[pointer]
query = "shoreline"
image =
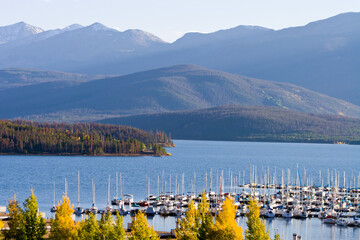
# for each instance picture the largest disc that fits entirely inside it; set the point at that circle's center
(84, 155)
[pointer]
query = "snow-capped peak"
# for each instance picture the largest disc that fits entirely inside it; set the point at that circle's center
(100, 27)
(72, 27)
(18, 30)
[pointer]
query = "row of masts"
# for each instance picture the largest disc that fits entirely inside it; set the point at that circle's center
(264, 177)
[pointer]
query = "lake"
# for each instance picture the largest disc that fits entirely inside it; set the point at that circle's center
(18, 174)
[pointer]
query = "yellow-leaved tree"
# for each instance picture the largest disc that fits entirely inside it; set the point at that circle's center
(63, 226)
(1, 227)
(15, 223)
(225, 227)
(205, 218)
(188, 226)
(141, 230)
(256, 227)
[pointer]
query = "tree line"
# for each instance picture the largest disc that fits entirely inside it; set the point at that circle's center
(198, 223)
(22, 137)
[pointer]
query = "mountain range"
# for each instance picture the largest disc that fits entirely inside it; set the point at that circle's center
(180, 87)
(248, 123)
(322, 56)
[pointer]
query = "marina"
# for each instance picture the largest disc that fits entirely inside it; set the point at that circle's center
(281, 176)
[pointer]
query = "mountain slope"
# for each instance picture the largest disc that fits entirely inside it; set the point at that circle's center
(17, 31)
(248, 123)
(182, 87)
(10, 78)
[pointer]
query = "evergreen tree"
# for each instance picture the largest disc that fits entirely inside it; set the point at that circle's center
(89, 228)
(63, 226)
(16, 219)
(188, 226)
(256, 227)
(225, 227)
(206, 219)
(33, 223)
(141, 230)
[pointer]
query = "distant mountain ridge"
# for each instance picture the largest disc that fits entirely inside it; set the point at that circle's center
(248, 123)
(181, 87)
(322, 56)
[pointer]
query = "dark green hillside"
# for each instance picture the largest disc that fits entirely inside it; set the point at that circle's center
(10, 78)
(249, 123)
(20, 137)
(182, 87)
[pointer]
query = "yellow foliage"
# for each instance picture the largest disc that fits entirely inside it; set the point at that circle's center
(225, 227)
(1, 226)
(141, 230)
(188, 226)
(256, 227)
(63, 226)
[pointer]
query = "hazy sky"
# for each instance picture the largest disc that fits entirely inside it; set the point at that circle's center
(170, 19)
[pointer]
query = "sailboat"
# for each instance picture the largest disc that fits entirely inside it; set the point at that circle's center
(53, 209)
(108, 207)
(78, 210)
(93, 208)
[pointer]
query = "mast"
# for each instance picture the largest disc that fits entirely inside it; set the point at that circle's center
(66, 187)
(117, 185)
(211, 182)
(93, 192)
(54, 193)
(108, 202)
(170, 185)
(205, 181)
(195, 184)
(78, 188)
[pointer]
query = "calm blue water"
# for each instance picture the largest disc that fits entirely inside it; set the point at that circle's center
(18, 174)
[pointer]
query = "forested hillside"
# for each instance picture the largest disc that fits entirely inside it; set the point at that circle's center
(249, 123)
(20, 137)
(175, 88)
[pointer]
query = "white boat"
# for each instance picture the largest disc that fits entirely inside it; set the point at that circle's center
(128, 199)
(355, 222)
(342, 222)
(330, 220)
(269, 213)
(287, 214)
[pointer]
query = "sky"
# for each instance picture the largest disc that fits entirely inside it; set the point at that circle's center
(170, 19)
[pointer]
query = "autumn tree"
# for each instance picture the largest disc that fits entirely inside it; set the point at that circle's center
(205, 218)
(188, 226)
(89, 228)
(15, 230)
(63, 226)
(33, 223)
(1, 227)
(256, 227)
(225, 227)
(141, 230)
